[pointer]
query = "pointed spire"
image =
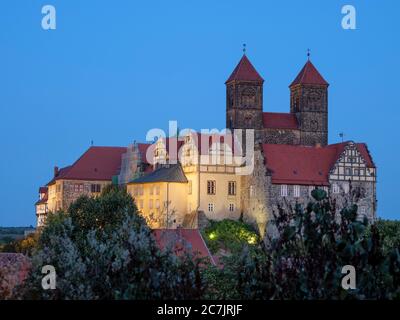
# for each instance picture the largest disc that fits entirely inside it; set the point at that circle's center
(245, 71)
(309, 75)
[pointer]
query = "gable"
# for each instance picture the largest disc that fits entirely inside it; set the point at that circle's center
(354, 163)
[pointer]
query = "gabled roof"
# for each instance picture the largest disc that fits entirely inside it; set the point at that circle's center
(183, 241)
(305, 165)
(309, 75)
(97, 163)
(245, 71)
(43, 190)
(276, 120)
(168, 173)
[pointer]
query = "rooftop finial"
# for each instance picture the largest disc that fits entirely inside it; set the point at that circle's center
(244, 48)
(308, 54)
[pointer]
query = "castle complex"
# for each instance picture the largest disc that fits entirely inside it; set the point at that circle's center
(187, 179)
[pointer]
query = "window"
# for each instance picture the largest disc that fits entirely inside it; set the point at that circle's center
(361, 172)
(151, 190)
(296, 191)
(211, 207)
(347, 171)
(310, 189)
(95, 188)
(157, 204)
(78, 187)
(231, 207)
(363, 210)
(284, 190)
(335, 188)
(232, 188)
(150, 204)
(346, 187)
(251, 191)
(211, 187)
(58, 188)
(356, 172)
(190, 187)
(157, 190)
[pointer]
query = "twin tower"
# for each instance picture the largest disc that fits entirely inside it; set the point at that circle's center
(307, 122)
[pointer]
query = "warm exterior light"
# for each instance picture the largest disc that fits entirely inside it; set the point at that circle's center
(212, 235)
(252, 240)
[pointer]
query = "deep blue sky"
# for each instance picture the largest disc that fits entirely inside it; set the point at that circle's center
(114, 69)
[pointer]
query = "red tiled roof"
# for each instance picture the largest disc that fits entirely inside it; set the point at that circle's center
(304, 165)
(309, 75)
(97, 163)
(183, 240)
(43, 190)
(363, 149)
(276, 120)
(245, 71)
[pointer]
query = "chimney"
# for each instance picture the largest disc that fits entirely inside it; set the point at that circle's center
(55, 171)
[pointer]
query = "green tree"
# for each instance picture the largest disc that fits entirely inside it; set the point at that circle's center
(103, 249)
(306, 251)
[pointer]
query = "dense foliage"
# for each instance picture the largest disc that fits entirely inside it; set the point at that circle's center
(102, 249)
(229, 235)
(305, 257)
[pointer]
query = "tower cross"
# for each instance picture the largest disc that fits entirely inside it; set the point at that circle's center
(308, 54)
(244, 48)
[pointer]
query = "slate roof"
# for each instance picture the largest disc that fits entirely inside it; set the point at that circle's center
(169, 173)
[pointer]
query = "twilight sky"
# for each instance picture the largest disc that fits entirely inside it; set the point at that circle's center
(112, 70)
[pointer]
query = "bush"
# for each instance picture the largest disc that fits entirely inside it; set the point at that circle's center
(304, 258)
(102, 249)
(229, 235)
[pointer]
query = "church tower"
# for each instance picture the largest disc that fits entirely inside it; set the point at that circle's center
(309, 102)
(244, 95)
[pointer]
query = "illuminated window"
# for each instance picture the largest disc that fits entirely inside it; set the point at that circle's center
(251, 191)
(296, 191)
(211, 207)
(231, 188)
(284, 190)
(78, 187)
(211, 187)
(157, 190)
(157, 204)
(150, 204)
(151, 190)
